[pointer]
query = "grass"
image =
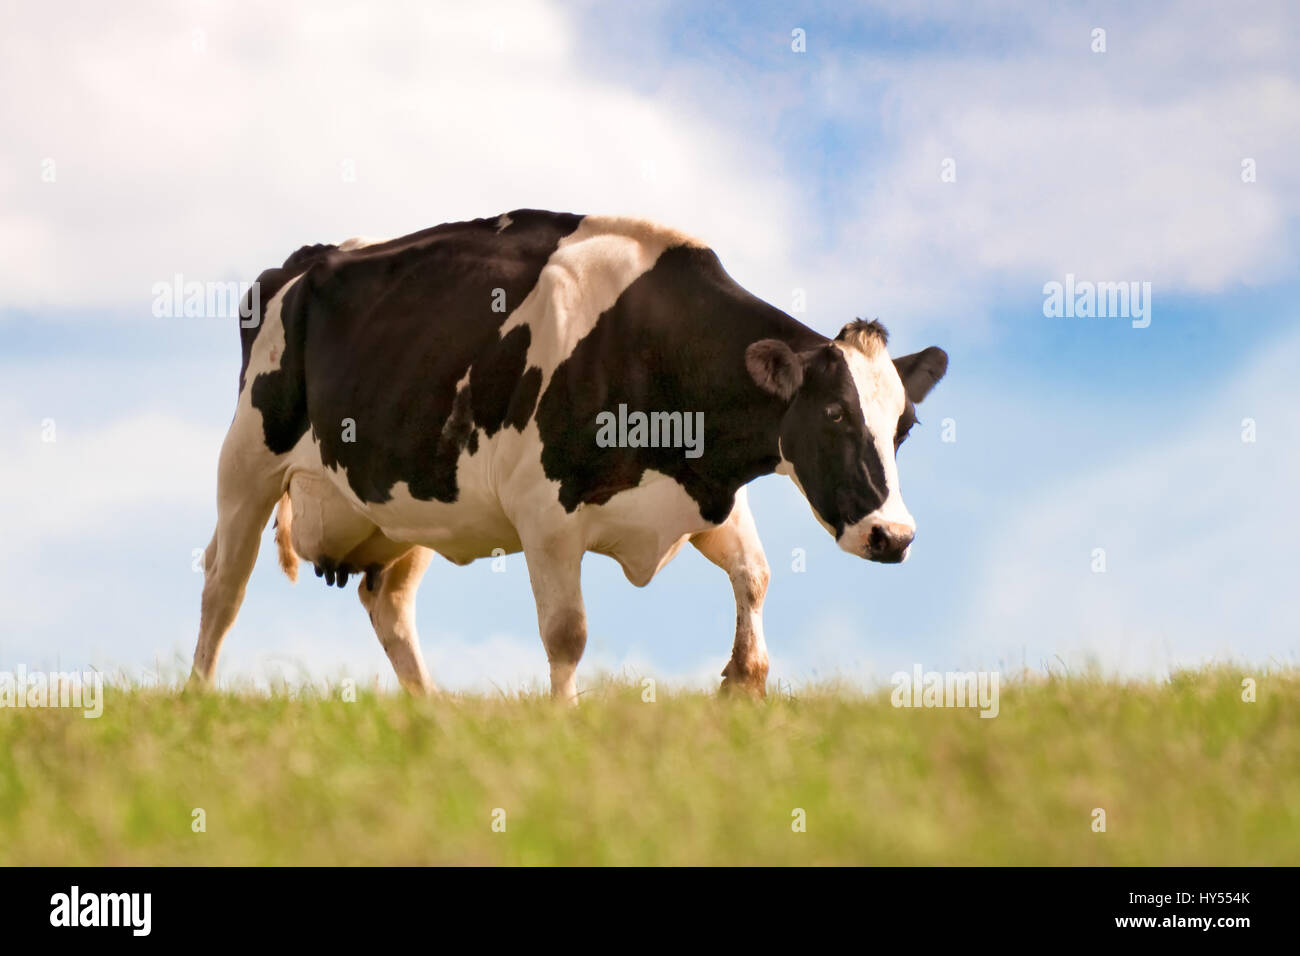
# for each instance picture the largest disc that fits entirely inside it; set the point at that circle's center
(1186, 772)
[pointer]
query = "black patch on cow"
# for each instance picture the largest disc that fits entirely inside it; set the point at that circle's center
(674, 341)
(524, 399)
(495, 378)
(457, 433)
(268, 284)
(384, 334)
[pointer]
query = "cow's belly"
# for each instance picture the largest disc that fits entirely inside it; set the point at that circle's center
(461, 531)
(473, 526)
(641, 528)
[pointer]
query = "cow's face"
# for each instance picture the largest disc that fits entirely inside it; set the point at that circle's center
(850, 407)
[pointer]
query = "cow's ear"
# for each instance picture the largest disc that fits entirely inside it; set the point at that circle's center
(920, 371)
(774, 368)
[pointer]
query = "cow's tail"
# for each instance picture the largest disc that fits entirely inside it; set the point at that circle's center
(283, 542)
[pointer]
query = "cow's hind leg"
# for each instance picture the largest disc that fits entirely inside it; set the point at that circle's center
(555, 571)
(734, 547)
(248, 486)
(388, 596)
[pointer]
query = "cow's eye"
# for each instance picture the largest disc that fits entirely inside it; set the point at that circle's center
(835, 413)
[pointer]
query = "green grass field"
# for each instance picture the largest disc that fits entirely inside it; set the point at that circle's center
(1186, 772)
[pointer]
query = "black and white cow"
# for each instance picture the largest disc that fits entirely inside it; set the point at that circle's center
(444, 392)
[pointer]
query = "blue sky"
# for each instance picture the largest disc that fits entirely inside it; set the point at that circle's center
(187, 139)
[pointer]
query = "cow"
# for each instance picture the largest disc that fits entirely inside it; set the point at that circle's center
(454, 391)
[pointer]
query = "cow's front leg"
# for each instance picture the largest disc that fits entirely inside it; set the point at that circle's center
(734, 547)
(555, 570)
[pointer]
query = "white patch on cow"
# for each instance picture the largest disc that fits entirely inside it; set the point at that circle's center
(881, 395)
(359, 242)
(268, 347)
(590, 268)
(504, 222)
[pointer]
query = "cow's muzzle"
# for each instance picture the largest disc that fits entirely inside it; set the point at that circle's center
(888, 542)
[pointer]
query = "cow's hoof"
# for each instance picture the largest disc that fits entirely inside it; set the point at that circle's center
(195, 686)
(745, 680)
(742, 688)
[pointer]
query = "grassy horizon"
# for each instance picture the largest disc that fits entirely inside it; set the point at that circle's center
(1186, 771)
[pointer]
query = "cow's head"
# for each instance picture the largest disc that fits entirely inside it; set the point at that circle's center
(848, 409)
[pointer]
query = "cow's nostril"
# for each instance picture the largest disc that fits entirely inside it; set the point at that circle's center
(888, 542)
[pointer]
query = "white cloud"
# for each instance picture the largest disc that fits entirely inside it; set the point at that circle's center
(82, 481)
(219, 162)
(1117, 166)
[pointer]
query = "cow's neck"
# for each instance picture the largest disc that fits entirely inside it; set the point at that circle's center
(742, 422)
